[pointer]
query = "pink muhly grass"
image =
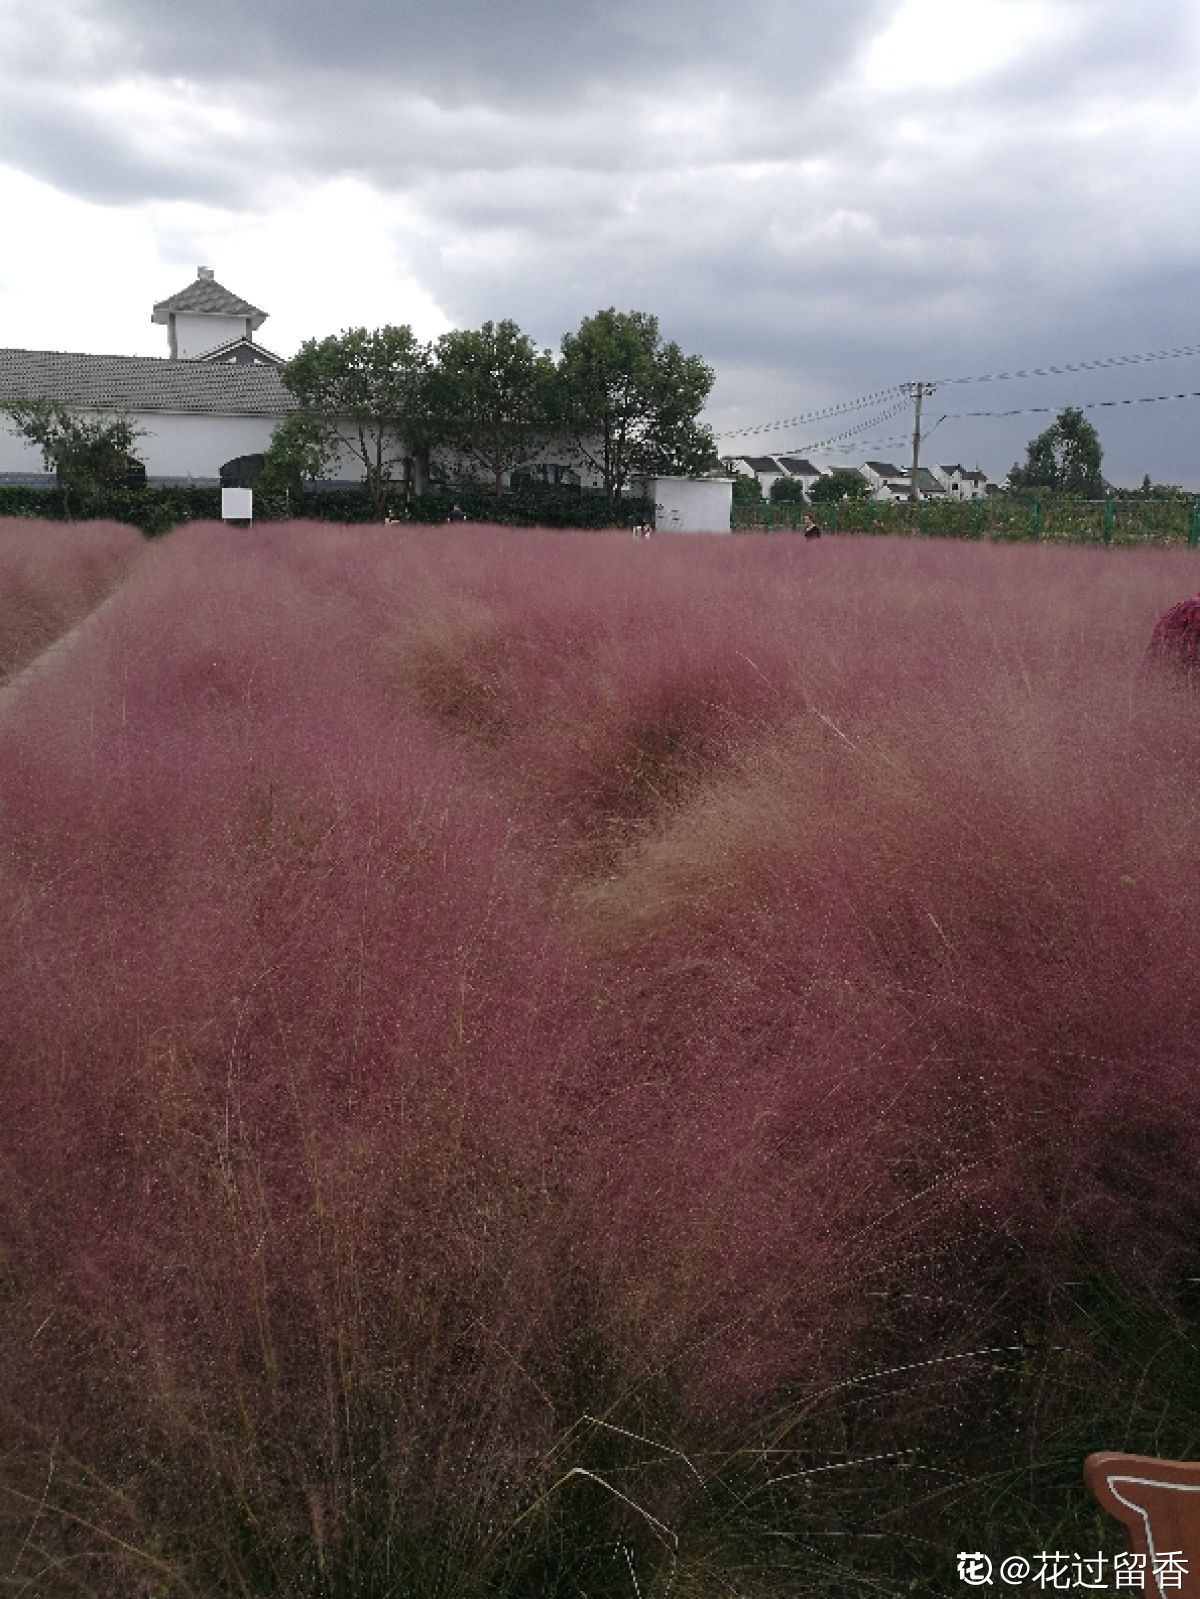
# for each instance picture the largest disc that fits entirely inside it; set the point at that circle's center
(955, 918)
(51, 575)
(453, 980)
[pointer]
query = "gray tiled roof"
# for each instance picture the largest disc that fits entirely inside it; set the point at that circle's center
(143, 383)
(206, 295)
(797, 466)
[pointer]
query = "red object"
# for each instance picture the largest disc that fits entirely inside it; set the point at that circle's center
(1159, 1503)
(1175, 642)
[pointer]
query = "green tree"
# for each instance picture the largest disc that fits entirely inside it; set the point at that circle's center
(85, 453)
(787, 491)
(490, 396)
(746, 489)
(629, 403)
(1162, 491)
(302, 448)
(364, 392)
(844, 483)
(1065, 459)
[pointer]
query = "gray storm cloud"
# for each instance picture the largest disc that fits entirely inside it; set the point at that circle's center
(814, 214)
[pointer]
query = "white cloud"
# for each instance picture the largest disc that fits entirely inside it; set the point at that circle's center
(933, 44)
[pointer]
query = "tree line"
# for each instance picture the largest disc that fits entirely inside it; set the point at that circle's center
(619, 401)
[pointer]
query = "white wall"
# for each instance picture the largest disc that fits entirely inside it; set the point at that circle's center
(688, 504)
(171, 446)
(198, 446)
(196, 334)
(15, 454)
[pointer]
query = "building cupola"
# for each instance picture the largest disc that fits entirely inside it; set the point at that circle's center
(205, 316)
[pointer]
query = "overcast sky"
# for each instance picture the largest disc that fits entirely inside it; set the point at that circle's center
(823, 198)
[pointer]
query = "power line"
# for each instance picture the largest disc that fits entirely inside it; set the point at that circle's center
(1100, 363)
(818, 416)
(1080, 366)
(1089, 405)
(861, 427)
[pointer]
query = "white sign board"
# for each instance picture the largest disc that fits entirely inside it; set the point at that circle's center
(237, 505)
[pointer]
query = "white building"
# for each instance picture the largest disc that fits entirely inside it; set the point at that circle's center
(961, 484)
(217, 395)
(801, 468)
(763, 467)
(687, 504)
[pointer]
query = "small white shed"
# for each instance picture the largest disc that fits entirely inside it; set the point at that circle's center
(688, 504)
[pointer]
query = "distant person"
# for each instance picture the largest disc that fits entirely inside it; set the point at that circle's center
(1175, 643)
(811, 530)
(457, 514)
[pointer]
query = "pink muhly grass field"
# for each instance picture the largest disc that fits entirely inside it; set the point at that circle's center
(51, 575)
(453, 981)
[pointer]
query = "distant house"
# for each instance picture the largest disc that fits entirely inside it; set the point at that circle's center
(886, 482)
(768, 469)
(797, 467)
(763, 467)
(963, 485)
(890, 482)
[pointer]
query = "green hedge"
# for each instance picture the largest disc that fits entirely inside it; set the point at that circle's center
(158, 509)
(154, 510)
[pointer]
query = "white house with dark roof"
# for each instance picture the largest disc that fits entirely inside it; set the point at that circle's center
(763, 467)
(887, 482)
(961, 484)
(798, 467)
(215, 396)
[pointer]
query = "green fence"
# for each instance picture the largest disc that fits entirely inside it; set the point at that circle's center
(1053, 520)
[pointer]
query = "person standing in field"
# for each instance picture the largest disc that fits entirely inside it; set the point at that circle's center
(1175, 643)
(811, 530)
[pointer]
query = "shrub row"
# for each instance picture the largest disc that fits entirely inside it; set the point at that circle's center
(157, 509)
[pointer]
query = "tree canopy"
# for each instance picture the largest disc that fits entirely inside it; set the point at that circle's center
(364, 391)
(490, 395)
(630, 403)
(85, 453)
(844, 483)
(620, 400)
(1065, 459)
(787, 491)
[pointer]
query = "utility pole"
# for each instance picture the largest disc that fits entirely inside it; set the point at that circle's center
(913, 492)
